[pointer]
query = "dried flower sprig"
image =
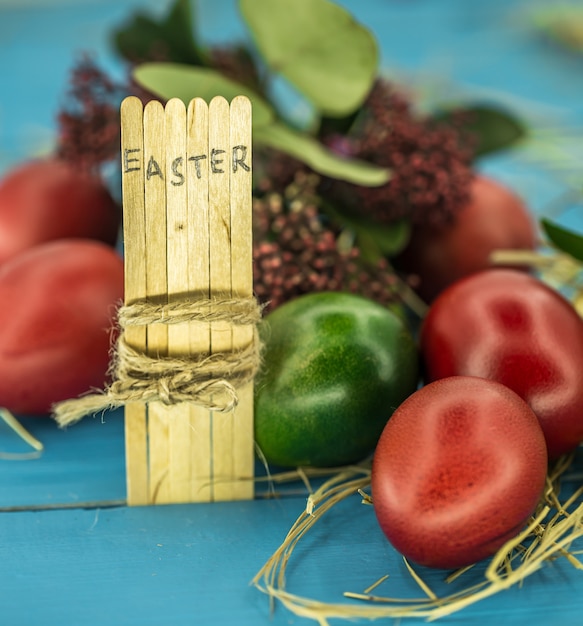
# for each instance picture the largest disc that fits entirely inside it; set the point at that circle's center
(89, 128)
(89, 122)
(431, 163)
(299, 252)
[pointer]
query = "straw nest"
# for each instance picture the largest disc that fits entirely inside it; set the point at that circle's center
(550, 533)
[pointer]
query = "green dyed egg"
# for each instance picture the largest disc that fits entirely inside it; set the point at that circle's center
(335, 367)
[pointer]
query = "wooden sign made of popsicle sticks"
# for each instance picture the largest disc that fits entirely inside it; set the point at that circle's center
(186, 181)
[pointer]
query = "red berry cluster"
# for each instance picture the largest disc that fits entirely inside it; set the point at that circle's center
(296, 253)
(430, 163)
(89, 121)
(89, 127)
(299, 250)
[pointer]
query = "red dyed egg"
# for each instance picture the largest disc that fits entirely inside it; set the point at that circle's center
(458, 470)
(48, 199)
(494, 218)
(59, 302)
(510, 327)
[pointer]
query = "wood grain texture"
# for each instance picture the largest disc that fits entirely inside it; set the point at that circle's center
(201, 487)
(220, 281)
(242, 282)
(177, 227)
(157, 289)
(134, 226)
(196, 242)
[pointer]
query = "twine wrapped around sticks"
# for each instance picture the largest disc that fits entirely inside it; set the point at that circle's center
(209, 380)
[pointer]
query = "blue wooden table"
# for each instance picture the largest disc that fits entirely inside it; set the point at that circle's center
(71, 552)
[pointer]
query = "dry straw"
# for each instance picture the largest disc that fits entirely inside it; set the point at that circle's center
(14, 425)
(549, 535)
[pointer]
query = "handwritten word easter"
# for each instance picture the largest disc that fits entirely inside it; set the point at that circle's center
(216, 160)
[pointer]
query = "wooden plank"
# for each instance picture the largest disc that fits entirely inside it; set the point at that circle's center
(220, 280)
(242, 285)
(201, 488)
(132, 167)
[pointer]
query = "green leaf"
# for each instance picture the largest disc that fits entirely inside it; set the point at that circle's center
(144, 37)
(564, 239)
(170, 80)
(377, 240)
(173, 80)
(493, 128)
(318, 157)
(318, 47)
(374, 240)
(337, 125)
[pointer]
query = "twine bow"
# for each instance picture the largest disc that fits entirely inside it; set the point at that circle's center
(209, 380)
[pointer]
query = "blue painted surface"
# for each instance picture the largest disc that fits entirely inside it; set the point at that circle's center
(192, 564)
(77, 465)
(169, 562)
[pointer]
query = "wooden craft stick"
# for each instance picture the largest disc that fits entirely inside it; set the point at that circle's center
(155, 216)
(199, 285)
(220, 280)
(180, 431)
(187, 221)
(242, 284)
(132, 144)
(157, 287)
